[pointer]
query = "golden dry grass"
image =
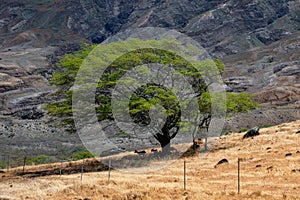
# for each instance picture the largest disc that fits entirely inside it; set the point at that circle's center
(266, 173)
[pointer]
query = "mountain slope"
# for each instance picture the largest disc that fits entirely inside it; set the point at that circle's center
(257, 40)
(220, 25)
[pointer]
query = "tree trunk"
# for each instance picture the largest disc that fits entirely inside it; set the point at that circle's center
(166, 149)
(165, 142)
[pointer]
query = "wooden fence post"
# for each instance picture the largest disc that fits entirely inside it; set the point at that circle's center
(24, 164)
(109, 168)
(81, 170)
(8, 163)
(239, 176)
(184, 174)
(3, 161)
(60, 168)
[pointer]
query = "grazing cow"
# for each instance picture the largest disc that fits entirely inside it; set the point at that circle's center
(139, 152)
(196, 143)
(154, 150)
(251, 133)
(288, 154)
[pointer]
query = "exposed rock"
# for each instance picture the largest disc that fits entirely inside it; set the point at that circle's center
(220, 25)
(261, 117)
(29, 114)
(275, 82)
(267, 37)
(8, 82)
(238, 84)
(281, 68)
(33, 137)
(279, 94)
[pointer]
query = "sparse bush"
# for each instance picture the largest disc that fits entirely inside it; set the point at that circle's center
(69, 153)
(240, 102)
(226, 132)
(270, 59)
(82, 155)
(243, 130)
(2, 165)
(265, 126)
(41, 159)
(121, 133)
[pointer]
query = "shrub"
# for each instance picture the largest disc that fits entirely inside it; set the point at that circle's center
(265, 126)
(243, 130)
(2, 165)
(82, 155)
(41, 159)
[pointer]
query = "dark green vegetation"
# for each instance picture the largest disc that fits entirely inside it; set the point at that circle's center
(82, 155)
(67, 154)
(145, 97)
(41, 159)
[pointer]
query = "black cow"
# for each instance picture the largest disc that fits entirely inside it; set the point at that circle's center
(139, 152)
(251, 133)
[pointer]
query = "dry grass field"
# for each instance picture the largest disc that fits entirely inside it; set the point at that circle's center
(266, 173)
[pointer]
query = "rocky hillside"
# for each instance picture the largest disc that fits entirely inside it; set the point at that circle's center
(259, 42)
(223, 26)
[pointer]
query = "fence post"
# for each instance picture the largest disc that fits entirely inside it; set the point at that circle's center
(81, 170)
(239, 176)
(184, 175)
(8, 163)
(3, 161)
(24, 164)
(60, 167)
(109, 167)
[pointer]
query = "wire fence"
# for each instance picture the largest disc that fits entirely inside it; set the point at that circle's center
(66, 167)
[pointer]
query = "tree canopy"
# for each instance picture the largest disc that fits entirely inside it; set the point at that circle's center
(146, 96)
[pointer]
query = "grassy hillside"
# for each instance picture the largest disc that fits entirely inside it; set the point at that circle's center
(267, 172)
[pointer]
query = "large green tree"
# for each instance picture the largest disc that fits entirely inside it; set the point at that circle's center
(145, 97)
